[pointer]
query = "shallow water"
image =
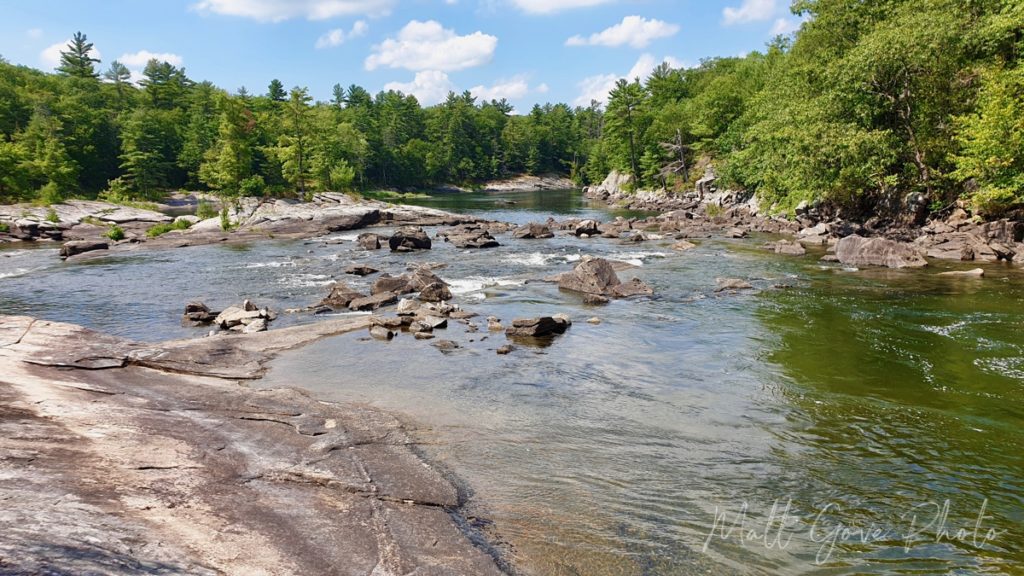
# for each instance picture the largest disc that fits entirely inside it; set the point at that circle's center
(860, 398)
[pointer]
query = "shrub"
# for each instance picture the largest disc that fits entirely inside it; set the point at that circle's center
(205, 210)
(225, 220)
(165, 227)
(5, 227)
(252, 186)
(51, 216)
(116, 233)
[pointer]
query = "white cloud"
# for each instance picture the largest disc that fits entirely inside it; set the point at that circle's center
(337, 37)
(597, 87)
(636, 31)
(749, 11)
(50, 56)
(34, 33)
(142, 57)
(784, 26)
(511, 89)
(429, 46)
(429, 87)
(552, 6)
(279, 10)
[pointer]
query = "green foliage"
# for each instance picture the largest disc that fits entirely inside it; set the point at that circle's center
(5, 227)
(165, 227)
(225, 219)
(205, 210)
(253, 186)
(76, 60)
(115, 233)
(51, 216)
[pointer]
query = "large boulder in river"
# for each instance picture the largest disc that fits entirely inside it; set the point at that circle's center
(859, 251)
(340, 297)
(373, 302)
(389, 283)
(533, 231)
(539, 327)
(76, 247)
(370, 240)
(588, 228)
(436, 292)
(469, 236)
(597, 276)
(409, 238)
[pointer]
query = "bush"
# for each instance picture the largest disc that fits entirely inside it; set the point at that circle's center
(50, 194)
(165, 227)
(225, 220)
(51, 216)
(116, 233)
(252, 186)
(205, 210)
(5, 227)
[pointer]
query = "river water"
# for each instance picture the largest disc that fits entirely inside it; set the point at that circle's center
(881, 413)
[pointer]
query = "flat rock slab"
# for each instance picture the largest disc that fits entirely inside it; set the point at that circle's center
(133, 469)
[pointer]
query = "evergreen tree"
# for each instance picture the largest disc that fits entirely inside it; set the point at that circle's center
(76, 60)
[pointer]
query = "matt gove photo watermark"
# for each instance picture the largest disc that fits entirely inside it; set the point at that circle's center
(780, 527)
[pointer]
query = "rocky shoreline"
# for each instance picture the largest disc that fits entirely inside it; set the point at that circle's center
(124, 457)
(707, 212)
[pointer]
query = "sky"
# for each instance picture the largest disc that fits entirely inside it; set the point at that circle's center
(527, 51)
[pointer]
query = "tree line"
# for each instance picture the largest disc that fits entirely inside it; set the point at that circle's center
(872, 106)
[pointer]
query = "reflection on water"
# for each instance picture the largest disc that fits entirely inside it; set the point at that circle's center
(858, 397)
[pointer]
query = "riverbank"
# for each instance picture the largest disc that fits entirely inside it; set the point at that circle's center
(124, 457)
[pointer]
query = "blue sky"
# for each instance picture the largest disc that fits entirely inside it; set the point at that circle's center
(528, 51)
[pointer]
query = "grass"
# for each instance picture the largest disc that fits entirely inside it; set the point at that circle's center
(205, 210)
(116, 233)
(713, 210)
(165, 227)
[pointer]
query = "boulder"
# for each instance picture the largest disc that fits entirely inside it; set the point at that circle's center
(360, 270)
(389, 322)
(588, 228)
(197, 314)
(468, 236)
(408, 307)
(859, 251)
(76, 247)
(409, 238)
(236, 316)
(393, 284)
(373, 302)
(445, 345)
(596, 276)
(436, 292)
(595, 300)
(788, 248)
(683, 246)
(533, 231)
(370, 241)
(423, 277)
(381, 333)
(340, 297)
(257, 325)
(505, 350)
(538, 327)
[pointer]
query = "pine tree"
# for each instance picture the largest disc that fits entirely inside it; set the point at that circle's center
(76, 61)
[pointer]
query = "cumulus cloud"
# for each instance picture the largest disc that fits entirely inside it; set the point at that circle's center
(552, 6)
(422, 46)
(337, 37)
(142, 57)
(50, 56)
(280, 10)
(636, 31)
(429, 87)
(510, 89)
(597, 87)
(749, 11)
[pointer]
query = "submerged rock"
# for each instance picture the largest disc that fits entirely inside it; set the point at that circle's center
(859, 251)
(788, 248)
(976, 273)
(360, 270)
(732, 284)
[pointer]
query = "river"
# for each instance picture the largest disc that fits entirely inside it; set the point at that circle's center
(879, 412)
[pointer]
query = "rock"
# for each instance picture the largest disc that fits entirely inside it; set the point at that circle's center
(359, 270)
(732, 284)
(436, 292)
(859, 251)
(588, 228)
(462, 315)
(236, 316)
(409, 238)
(389, 322)
(257, 325)
(538, 327)
(470, 236)
(369, 240)
(737, 233)
(445, 345)
(976, 273)
(683, 246)
(423, 336)
(595, 321)
(340, 297)
(788, 248)
(373, 302)
(533, 231)
(495, 326)
(434, 323)
(596, 276)
(76, 247)
(408, 307)
(192, 220)
(506, 350)
(394, 284)
(381, 333)
(423, 277)
(197, 314)
(249, 306)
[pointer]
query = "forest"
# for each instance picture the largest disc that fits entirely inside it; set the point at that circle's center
(868, 105)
